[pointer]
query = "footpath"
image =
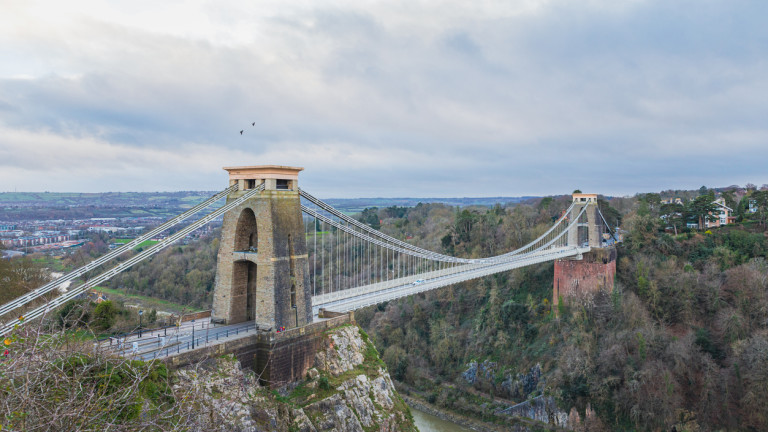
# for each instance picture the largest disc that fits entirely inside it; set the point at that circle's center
(167, 341)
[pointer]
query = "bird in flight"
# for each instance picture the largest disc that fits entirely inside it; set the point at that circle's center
(241, 132)
(253, 124)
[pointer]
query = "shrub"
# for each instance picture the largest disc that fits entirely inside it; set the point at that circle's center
(704, 341)
(323, 383)
(105, 315)
(75, 313)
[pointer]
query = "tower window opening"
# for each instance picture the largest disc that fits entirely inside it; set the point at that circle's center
(250, 184)
(291, 263)
(283, 184)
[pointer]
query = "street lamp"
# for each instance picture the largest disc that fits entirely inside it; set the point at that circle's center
(141, 312)
(193, 334)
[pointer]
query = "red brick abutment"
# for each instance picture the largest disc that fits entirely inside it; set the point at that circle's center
(580, 279)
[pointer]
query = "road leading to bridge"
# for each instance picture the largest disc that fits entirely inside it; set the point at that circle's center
(171, 341)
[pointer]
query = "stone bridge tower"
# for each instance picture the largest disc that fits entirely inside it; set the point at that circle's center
(262, 272)
(581, 278)
(587, 230)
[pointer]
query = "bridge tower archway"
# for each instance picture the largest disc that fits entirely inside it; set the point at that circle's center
(244, 277)
(244, 271)
(246, 232)
(262, 270)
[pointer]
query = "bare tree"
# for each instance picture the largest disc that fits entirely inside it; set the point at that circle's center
(65, 382)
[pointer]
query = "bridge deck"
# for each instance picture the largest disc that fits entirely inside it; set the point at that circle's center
(356, 298)
(152, 346)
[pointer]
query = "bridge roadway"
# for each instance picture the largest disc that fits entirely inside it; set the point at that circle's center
(168, 342)
(356, 298)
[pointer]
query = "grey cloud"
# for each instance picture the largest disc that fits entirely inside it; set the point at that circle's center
(605, 97)
(463, 43)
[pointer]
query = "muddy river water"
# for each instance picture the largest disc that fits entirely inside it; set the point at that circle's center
(429, 423)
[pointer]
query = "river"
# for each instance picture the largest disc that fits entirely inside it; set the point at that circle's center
(429, 423)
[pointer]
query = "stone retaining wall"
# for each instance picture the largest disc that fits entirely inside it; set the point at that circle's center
(195, 316)
(278, 358)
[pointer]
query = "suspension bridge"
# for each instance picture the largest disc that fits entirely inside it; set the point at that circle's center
(286, 256)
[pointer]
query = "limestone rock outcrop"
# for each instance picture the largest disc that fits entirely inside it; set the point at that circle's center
(348, 390)
(344, 350)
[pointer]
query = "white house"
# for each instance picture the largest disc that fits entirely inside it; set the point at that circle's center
(752, 206)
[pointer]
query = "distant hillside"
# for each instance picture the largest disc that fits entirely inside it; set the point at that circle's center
(17, 206)
(181, 199)
(21, 206)
(358, 204)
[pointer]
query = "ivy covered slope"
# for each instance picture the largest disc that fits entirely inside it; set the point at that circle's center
(349, 389)
(57, 382)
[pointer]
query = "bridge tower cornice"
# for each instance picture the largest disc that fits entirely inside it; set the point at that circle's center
(274, 177)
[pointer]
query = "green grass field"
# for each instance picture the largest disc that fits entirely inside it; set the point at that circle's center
(50, 262)
(319, 234)
(145, 301)
(143, 244)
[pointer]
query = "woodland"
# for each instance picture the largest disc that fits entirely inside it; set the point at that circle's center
(680, 342)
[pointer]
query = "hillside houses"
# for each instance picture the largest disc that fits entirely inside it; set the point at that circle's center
(720, 215)
(714, 209)
(723, 215)
(673, 201)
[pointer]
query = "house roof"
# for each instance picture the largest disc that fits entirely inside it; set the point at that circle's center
(722, 205)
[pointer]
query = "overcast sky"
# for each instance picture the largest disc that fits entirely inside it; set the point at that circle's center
(397, 98)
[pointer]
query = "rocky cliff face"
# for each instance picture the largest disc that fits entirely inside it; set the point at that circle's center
(349, 389)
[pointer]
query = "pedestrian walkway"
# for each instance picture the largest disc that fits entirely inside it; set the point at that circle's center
(166, 342)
